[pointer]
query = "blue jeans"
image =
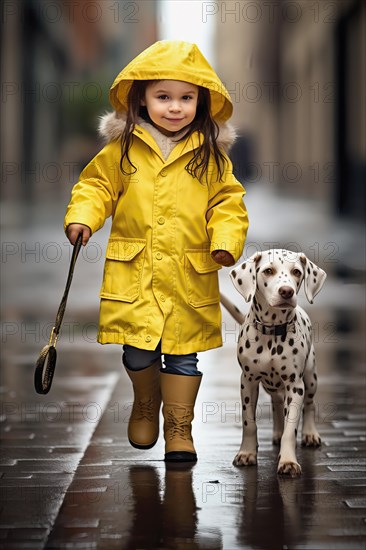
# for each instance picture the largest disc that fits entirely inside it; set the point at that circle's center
(138, 359)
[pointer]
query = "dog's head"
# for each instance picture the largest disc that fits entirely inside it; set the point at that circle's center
(277, 275)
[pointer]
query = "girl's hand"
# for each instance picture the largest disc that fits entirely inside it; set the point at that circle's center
(73, 230)
(223, 257)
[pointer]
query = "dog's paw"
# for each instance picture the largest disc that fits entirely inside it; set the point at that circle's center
(245, 459)
(292, 469)
(311, 440)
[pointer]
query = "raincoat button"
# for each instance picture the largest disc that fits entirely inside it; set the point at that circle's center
(148, 338)
(162, 297)
(161, 220)
(158, 255)
(164, 172)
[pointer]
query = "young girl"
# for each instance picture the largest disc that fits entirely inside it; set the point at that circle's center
(178, 216)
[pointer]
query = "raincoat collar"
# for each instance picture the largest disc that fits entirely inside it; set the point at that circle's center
(180, 148)
(173, 60)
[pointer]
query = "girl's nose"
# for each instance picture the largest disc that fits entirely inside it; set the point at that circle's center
(174, 106)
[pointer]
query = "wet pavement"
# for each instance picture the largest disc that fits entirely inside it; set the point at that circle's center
(69, 478)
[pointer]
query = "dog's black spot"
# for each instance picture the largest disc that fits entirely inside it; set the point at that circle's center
(284, 376)
(274, 317)
(311, 395)
(273, 352)
(256, 338)
(291, 342)
(245, 423)
(244, 408)
(242, 386)
(289, 399)
(294, 390)
(285, 411)
(283, 357)
(243, 266)
(246, 400)
(233, 273)
(260, 349)
(295, 432)
(246, 368)
(278, 384)
(288, 387)
(283, 338)
(295, 351)
(241, 349)
(240, 282)
(241, 333)
(279, 349)
(283, 367)
(263, 373)
(255, 361)
(300, 391)
(269, 344)
(266, 284)
(247, 344)
(258, 378)
(292, 377)
(249, 297)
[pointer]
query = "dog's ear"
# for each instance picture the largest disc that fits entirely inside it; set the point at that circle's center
(314, 278)
(244, 277)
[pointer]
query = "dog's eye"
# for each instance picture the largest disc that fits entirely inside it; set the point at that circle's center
(268, 271)
(296, 272)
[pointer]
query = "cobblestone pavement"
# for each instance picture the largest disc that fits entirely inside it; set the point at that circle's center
(69, 478)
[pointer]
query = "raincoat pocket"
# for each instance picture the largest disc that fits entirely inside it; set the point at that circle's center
(201, 278)
(123, 269)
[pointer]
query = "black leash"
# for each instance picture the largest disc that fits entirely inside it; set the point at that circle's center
(43, 375)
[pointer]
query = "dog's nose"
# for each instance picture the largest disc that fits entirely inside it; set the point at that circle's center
(286, 292)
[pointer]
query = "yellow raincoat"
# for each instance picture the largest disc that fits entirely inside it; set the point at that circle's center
(160, 281)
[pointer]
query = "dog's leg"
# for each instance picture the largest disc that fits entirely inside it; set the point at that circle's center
(247, 454)
(278, 420)
(294, 399)
(310, 436)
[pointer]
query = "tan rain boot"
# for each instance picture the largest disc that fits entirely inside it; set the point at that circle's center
(143, 426)
(179, 394)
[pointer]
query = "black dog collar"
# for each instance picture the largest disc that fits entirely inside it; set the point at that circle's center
(274, 330)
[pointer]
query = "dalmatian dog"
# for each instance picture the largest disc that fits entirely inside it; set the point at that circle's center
(276, 349)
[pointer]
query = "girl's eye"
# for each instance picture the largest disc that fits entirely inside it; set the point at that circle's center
(163, 97)
(268, 271)
(296, 272)
(187, 97)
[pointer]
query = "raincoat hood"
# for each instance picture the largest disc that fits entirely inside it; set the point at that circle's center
(173, 60)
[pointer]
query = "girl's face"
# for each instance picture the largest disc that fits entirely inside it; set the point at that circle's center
(171, 104)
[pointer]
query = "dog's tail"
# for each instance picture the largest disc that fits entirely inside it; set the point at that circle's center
(232, 309)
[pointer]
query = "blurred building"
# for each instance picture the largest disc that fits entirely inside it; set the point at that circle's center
(296, 73)
(58, 61)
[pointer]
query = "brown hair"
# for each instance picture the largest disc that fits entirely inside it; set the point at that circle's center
(203, 123)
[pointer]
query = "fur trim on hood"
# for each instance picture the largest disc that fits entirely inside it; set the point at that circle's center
(111, 126)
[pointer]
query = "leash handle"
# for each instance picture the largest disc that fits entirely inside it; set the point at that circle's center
(46, 362)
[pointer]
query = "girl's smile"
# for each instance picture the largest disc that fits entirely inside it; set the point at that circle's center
(171, 104)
